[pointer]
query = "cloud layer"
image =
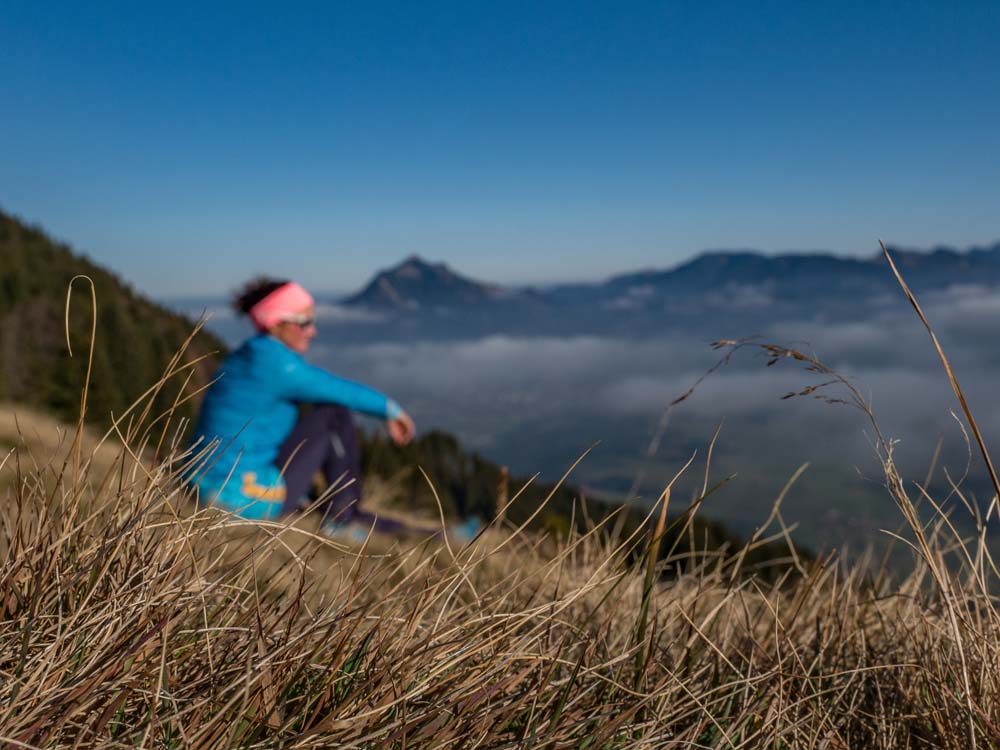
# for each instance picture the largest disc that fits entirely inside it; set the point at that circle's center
(536, 402)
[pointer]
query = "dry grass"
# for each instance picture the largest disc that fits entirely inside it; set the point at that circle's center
(130, 619)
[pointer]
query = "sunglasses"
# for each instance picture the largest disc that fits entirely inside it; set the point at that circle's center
(302, 321)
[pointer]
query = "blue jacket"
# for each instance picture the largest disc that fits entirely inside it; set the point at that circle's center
(249, 411)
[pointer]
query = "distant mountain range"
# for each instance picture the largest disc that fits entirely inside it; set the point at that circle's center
(418, 285)
(433, 300)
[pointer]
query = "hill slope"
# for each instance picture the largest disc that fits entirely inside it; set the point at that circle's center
(135, 337)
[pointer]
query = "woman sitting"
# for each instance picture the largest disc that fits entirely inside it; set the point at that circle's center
(266, 448)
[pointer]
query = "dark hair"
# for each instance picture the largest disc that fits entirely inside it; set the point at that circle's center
(254, 291)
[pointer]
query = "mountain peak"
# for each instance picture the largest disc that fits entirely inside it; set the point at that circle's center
(414, 266)
(414, 261)
(416, 283)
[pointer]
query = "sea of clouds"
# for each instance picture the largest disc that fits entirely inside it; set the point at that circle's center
(536, 403)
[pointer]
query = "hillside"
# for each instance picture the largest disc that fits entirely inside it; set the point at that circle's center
(135, 337)
(467, 484)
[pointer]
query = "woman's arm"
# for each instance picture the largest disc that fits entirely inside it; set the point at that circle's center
(310, 384)
(307, 383)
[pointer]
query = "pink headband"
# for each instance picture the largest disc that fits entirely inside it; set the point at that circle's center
(284, 302)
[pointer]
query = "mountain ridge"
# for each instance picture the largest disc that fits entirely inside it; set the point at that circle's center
(416, 286)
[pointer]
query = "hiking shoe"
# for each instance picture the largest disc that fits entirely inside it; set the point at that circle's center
(345, 532)
(466, 531)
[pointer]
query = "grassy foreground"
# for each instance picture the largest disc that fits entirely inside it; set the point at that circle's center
(129, 619)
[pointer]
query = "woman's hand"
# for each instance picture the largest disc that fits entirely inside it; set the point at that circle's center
(401, 429)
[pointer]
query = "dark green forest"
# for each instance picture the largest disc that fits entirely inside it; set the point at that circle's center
(135, 337)
(136, 340)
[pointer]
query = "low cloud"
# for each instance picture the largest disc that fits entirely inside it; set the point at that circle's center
(889, 360)
(501, 361)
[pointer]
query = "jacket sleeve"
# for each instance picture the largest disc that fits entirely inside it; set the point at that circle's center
(309, 384)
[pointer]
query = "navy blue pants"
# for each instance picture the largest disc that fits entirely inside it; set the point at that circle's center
(325, 440)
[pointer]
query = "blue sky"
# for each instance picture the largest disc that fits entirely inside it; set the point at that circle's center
(190, 147)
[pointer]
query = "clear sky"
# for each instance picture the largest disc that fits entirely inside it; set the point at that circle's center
(189, 147)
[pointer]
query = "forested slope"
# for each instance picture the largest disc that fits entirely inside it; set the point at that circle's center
(135, 337)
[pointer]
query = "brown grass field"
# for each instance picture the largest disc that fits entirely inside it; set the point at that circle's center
(130, 619)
